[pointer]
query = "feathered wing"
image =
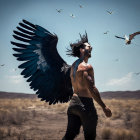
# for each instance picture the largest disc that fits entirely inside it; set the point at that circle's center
(120, 37)
(47, 72)
(131, 36)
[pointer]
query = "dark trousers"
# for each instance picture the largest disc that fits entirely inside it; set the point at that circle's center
(81, 111)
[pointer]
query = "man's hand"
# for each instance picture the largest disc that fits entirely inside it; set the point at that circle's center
(107, 112)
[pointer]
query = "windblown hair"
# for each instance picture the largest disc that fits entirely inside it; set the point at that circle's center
(75, 47)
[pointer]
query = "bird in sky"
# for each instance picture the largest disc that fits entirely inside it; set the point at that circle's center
(72, 15)
(80, 6)
(128, 39)
(59, 10)
(106, 32)
(137, 73)
(116, 60)
(2, 65)
(109, 12)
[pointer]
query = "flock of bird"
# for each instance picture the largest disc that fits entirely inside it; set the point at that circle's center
(71, 15)
(126, 38)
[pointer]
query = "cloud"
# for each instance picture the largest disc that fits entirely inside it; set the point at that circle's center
(16, 79)
(12, 70)
(120, 81)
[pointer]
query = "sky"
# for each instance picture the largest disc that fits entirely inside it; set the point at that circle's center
(115, 63)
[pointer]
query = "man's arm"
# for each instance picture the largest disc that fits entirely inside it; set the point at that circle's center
(93, 90)
(89, 77)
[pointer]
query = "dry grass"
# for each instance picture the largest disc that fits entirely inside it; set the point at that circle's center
(14, 111)
(124, 123)
(106, 133)
(33, 119)
(123, 134)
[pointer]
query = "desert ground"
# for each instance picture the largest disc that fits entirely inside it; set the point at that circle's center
(32, 119)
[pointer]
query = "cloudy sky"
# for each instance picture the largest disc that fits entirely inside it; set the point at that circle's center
(115, 64)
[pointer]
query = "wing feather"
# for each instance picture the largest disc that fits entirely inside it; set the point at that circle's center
(47, 72)
(27, 64)
(19, 44)
(119, 37)
(131, 36)
(21, 39)
(25, 31)
(26, 27)
(22, 35)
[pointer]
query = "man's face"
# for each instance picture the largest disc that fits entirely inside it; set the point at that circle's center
(88, 50)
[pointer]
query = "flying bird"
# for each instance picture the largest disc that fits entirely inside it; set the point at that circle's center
(80, 6)
(59, 11)
(116, 60)
(44, 68)
(109, 12)
(106, 32)
(72, 15)
(137, 73)
(2, 65)
(128, 39)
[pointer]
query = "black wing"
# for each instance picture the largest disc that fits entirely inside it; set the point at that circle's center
(47, 72)
(120, 37)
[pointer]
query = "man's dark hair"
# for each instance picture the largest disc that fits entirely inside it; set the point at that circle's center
(75, 47)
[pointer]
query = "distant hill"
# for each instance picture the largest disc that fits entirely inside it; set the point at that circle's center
(106, 95)
(12, 95)
(121, 94)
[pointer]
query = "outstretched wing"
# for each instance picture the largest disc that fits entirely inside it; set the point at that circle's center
(47, 72)
(120, 37)
(131, 36)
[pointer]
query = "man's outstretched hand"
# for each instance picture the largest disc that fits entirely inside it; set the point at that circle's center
(107, 112)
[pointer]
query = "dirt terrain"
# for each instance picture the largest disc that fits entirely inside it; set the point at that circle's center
(30, 119)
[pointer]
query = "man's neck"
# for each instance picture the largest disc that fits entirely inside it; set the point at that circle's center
(85, 59)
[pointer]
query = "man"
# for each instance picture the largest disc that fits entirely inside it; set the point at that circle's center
(81, 110)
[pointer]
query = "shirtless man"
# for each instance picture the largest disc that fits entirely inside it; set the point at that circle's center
(81, 110)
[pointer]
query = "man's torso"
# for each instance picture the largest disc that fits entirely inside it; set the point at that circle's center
(79, 82)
